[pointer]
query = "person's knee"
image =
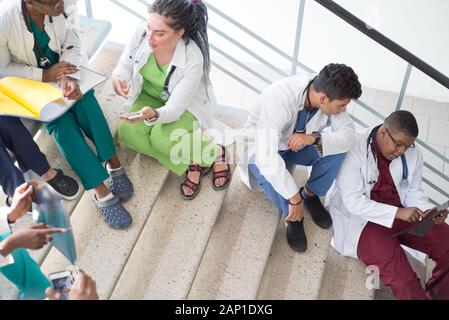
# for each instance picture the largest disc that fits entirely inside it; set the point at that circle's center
(61, 131)
(10, 121)
(339, 158)
(161, 142)
(62, 125)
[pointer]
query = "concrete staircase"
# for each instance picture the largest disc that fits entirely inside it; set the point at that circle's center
(222, 245)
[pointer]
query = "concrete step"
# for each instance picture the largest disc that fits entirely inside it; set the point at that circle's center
(237, 252)
(344, 279)
(292, 275)
(103, 252)
(165, 259)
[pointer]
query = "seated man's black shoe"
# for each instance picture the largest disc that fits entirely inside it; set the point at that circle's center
(65, 186)
(319, 214)
(296, 236)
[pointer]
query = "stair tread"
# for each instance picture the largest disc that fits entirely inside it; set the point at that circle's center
(292, 275)
(237, 251)
(164, 261)
(344, 279)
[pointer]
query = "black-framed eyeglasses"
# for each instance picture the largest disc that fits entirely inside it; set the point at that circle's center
(399, 146)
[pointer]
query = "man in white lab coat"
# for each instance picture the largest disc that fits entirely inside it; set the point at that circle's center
(305, 121)
(377, 194)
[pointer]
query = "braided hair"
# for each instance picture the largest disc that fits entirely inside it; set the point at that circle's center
(190, 15)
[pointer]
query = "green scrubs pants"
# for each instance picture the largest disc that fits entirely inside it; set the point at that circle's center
(84, 118)
(26, 275)
(175, 145)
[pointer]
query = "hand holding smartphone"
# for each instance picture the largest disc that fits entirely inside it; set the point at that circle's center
(62, 282)
(132, 115)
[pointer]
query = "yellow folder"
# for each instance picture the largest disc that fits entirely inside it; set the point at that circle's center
(27, 98)
(38, 100)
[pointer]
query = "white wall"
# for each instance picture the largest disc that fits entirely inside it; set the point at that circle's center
(419, 26)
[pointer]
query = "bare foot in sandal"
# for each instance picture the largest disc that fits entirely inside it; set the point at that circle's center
(221, 171)
(191, 185)
(193, 176)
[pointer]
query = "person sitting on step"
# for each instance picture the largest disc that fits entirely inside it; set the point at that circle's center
(377, 194)
(300, 120)
(164, 75)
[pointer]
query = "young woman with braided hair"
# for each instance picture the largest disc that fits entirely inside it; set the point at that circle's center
(164, 75)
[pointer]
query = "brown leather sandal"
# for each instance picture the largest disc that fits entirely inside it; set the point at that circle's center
(223, 173)
(195, 187)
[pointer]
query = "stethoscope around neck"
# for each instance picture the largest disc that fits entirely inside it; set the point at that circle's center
(43, 60)
(404, 181)
(165, 94)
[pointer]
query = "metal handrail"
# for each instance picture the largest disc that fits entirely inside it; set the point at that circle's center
(385, 42)
(258, 38)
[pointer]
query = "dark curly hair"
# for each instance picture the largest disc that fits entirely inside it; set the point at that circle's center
(190, 15)
(338, 81)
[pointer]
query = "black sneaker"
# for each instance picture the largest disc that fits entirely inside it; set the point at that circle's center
(65, 186)
(296, 236)
(319, 214)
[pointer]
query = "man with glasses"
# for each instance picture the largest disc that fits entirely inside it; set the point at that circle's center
(370, 205)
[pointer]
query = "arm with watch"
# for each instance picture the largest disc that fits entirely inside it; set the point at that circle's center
(298, 140)
(146, 114)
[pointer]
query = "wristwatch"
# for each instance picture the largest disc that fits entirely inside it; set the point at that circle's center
(317, 136)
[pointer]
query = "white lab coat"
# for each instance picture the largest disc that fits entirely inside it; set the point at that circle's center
(4, 228)
(349, 201)
(186, 86)
(274, 116)
(16, 42)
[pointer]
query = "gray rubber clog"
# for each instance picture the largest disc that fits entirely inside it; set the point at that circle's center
(116, 216)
